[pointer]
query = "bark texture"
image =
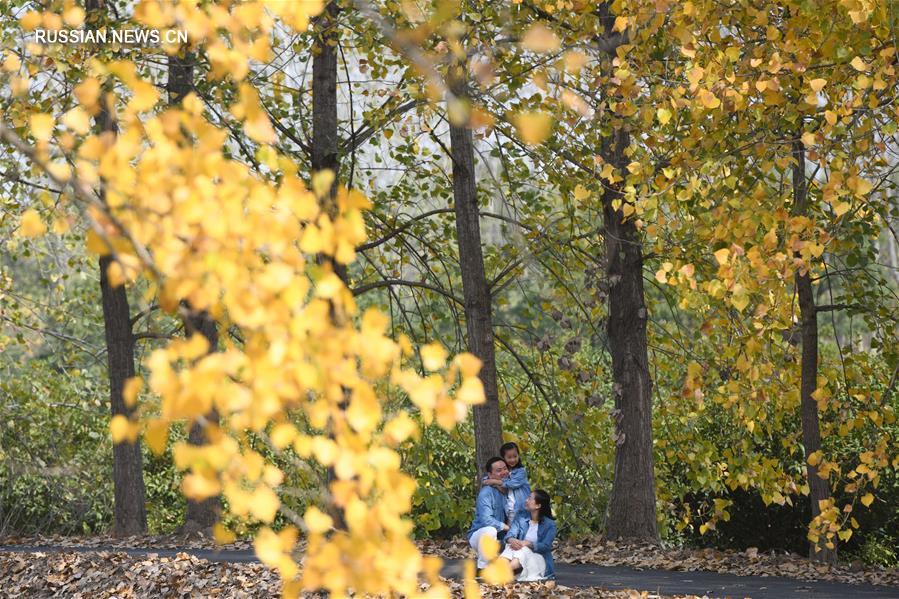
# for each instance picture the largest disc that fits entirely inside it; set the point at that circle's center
(475, 288)
(130, 512)
(127, 464)
(632, 505)
(199, 515)
(819, 488)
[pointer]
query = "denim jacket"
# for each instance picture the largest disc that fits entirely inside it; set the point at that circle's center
(518, 485)
(490, 510)
(546, 534)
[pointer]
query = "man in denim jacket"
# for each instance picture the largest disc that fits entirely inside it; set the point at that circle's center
(490, 510)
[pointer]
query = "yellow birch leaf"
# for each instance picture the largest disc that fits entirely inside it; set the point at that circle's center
(77, 120)
(42, 126)
(859, 64)
(259, 129)
(471, 391)
(664, 115)
(817, 84)
(498, 572)
(30, 20)
(620, 24)
(867, 499)
(132, 387)
(87, 92)
(156, 436)
(808, 138)
(540, 38)
(265, 504)
(575, 61)
(433, 356)
(722, 256)
(222, 535)
(708, 99)
(841, 208)
(31, 224)
(533, 126)
(468, 363)
(489, 547)
(122, 429)
(317, 521)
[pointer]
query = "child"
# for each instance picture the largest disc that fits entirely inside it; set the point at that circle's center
(517, 484)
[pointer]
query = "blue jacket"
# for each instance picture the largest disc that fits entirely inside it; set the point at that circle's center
(518, 484)
(546, 534)
(490, 510)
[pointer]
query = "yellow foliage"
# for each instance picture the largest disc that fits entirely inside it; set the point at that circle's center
(31, 225)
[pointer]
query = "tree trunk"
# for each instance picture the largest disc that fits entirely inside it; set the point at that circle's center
(632, 505)
(200, 515)
(127, 463)
(130, 511)
(819, 488)
(475, 289)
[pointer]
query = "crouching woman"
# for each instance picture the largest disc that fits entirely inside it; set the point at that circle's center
(530, 539)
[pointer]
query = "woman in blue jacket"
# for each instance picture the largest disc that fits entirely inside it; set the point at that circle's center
(530, 539)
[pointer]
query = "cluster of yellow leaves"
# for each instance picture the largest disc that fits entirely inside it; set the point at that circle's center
(209, 233)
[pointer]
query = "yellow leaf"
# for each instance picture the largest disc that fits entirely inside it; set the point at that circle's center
(498, 572)
(808, 138)
(122, 429)
(77, 120)
(87, 92)
(817, 84)
(533, 126)
(433, 356)
(703, 528)
(581, 193)
(841, 208)
(329, 286)
(199, 487)
(722, 256)
(814, 458)
(31, 224)
(471, 391)
(620, 24)
(708, 99)
(858, 64)
(156, 436)
(145, 96)
(664, 115)
(867, 499)
(740, 298)
(222, 535)
(73, 16)
(845, 534)
(30, 20)
(400, 428)
(42, 126)
(132, 387)
(661, 277)
(575, 61)
(317, 521)
(265, 504)
(489, 547)
(469, 364)
(283, 434)
(259, 129)
(95, 244)
(539, 38)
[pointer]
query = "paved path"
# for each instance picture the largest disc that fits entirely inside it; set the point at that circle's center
(582, 575)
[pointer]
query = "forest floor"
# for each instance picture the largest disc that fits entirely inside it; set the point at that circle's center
(179, 566)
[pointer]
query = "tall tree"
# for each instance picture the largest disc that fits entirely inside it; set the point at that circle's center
(475, 288)
(130, 512)
(819, 488)
(632, 505)
(200, 515)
